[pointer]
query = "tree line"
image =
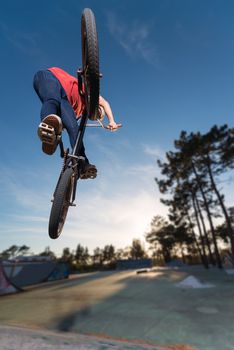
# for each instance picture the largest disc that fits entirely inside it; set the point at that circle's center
(191, 185)
(80, 259)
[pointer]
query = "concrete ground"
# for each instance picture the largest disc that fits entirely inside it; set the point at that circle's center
(28, 339)
(143, 308)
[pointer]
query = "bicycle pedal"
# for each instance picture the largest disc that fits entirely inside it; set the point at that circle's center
(72, 204)
(46, 133)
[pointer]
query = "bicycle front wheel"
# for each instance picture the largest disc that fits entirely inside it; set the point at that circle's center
(90, 62)
(61, 203)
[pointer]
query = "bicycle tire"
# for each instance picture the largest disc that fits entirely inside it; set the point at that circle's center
(90, 62)
(60, 204)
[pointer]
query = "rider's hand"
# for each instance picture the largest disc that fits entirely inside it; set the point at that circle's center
(113, 126)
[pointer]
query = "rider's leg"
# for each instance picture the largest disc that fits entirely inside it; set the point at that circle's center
(70, 123)
(54, 101)
(50, 93)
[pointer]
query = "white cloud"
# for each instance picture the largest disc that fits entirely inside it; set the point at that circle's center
(15, 229)
(119, 207)
(27, 218)
(134, 37)
(154, 151)
(30, 190)
(117, 220)
(24, 41)
(115, 208)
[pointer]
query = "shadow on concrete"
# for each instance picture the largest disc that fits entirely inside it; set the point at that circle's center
(126, 305)
(150, 307)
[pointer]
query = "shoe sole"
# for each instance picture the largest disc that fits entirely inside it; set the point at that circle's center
(89, 174)
(48, 132)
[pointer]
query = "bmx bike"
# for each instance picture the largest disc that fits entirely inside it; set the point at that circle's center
(88, 85)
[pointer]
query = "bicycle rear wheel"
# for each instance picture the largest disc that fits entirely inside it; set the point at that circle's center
(61, 204)
(90, 62)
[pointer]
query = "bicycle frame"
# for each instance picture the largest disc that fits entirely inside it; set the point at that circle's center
(72, 159)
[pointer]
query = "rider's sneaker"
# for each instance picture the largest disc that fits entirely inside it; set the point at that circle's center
(87, 170)
(49, 131)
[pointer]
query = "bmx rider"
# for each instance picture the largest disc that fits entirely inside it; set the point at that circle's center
(62, 105)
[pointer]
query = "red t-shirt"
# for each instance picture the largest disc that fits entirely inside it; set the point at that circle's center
(70, 85)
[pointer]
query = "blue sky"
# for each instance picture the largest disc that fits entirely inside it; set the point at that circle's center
(167, 66)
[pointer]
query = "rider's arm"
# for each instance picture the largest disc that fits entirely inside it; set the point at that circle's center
(112, 124)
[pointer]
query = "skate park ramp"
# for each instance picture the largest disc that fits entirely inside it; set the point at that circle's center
(17, 275)
(6, 286)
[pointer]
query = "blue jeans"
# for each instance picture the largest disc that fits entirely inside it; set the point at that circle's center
(54, 101)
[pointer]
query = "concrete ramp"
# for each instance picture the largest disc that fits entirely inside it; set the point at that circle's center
(6, 287)
(26, 274)
(16, 275)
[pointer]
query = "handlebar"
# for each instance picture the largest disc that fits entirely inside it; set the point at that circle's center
(100, 124)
